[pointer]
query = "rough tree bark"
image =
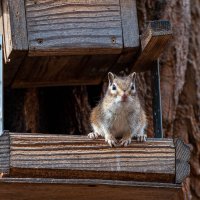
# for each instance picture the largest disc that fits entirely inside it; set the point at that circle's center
(180, 76)
(66, 109)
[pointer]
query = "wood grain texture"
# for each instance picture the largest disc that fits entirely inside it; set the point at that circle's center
(153, 42)
(78, 157)
(183, 154)
(63, 70)
(34, 189)
(15, 45)
(4, 154)
(15, 26)
(7, 29)
(129, 23)
(74, 27)
(18, 25)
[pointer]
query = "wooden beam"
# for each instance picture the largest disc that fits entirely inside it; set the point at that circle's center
(79, 189)
(63, 70)
(129, 24)
(15, 37)
(153, 42)
(58, 156)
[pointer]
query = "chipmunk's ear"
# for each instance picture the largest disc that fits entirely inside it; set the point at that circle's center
(133, 76)
(111, 77)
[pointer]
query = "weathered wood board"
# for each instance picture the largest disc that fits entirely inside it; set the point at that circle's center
(15, 41)
(64, 70)
(61, 156)
(129, 23)
(4, 154)
(74, 27)
(42, 158)
(15, 32)
(153, 42)
(94, 32)
(76, 189)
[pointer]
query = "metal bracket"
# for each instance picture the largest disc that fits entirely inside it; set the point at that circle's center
(157, 109)
(1, 86)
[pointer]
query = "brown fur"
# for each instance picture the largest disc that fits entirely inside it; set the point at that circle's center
(119, 113)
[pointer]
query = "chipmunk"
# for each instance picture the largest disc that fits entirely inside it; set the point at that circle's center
(119, 113)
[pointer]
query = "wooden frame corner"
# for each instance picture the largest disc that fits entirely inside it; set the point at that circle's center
(153, 42)
(183, 153)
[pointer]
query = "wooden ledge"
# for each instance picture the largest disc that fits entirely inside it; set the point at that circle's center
(78, 157)
(153, 42)
(81, 189)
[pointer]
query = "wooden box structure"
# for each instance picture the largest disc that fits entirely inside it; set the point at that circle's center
(74, 36)
(49, 43)
(75, 167)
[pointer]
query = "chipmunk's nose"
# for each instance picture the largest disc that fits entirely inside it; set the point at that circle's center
(124, 97)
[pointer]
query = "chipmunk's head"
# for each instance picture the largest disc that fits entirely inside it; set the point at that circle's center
(122, 88)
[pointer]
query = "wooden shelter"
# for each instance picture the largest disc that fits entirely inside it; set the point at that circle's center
(51, 43)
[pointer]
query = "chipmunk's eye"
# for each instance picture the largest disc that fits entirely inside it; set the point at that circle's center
(114, 87)
(132, 87)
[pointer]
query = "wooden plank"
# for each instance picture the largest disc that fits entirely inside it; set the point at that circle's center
(183, 153)
(15, 37)
(76, 189)
(4, 154)
(153, 42)
(129, 23)
(7, 30)
(79, 157)
(63, 70)
(84, 27)
(14, 27)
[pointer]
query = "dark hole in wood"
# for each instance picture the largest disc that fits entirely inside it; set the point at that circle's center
(114, 40)
(40, 40)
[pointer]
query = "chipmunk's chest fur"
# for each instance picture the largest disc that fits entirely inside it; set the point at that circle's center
(119, 120)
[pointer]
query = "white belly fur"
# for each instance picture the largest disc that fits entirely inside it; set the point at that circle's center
(120, 124)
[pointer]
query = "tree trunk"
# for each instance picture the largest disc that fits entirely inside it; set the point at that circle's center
(180, 76)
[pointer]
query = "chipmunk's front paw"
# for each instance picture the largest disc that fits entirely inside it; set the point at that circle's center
(111, 141)
(93, 135)
(141, 138)
(125, 141)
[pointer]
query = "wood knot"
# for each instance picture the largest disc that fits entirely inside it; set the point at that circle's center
(40, 40)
